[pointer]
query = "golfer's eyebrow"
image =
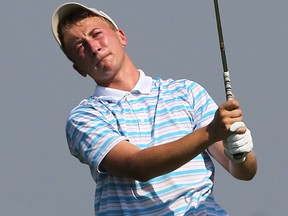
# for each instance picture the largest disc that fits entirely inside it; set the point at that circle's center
(89, 33)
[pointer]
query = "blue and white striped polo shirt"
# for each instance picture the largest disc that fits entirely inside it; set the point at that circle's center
(155, 112)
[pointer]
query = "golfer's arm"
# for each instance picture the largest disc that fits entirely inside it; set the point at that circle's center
(245, 170)
(126, 160)
(241, 171)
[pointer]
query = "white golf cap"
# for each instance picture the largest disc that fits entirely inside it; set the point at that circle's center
(65, 9)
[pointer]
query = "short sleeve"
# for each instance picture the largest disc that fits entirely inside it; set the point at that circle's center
(91, 134)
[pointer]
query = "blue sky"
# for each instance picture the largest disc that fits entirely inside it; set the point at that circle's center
(176, 39)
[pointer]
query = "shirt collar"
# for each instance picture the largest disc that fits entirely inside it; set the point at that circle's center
(143, 86)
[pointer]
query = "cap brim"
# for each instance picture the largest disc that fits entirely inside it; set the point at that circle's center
(67, 8)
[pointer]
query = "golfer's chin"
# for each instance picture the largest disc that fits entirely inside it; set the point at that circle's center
(103, 77)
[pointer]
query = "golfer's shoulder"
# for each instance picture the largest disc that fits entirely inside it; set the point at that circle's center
(87, 107)
(176, 83)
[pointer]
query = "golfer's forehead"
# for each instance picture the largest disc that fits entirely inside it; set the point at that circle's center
(84, 28)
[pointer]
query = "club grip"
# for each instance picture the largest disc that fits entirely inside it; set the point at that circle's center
(238, 156)
(227, 85)
(229, 96)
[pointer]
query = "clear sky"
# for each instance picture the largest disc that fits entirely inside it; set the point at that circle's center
(176, 39)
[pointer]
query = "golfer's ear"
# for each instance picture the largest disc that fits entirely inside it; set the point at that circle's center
(81, 72)
(122, 37)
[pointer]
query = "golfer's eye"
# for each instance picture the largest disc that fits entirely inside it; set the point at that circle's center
(96, 34)
(79, 47)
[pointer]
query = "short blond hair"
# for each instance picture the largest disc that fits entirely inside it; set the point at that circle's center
(67, 22)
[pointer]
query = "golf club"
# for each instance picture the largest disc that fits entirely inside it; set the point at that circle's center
(226, 74)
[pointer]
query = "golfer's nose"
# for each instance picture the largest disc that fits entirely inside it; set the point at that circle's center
(94, 47)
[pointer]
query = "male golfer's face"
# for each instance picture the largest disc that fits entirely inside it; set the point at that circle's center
(96, 48)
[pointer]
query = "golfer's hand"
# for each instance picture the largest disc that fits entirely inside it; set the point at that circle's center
(238, 143)
(227, 114)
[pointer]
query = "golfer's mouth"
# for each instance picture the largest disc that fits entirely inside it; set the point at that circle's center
(101, 59)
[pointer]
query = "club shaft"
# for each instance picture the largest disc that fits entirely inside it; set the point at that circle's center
(226, 75)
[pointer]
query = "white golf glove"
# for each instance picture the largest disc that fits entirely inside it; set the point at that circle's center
(238, 144)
